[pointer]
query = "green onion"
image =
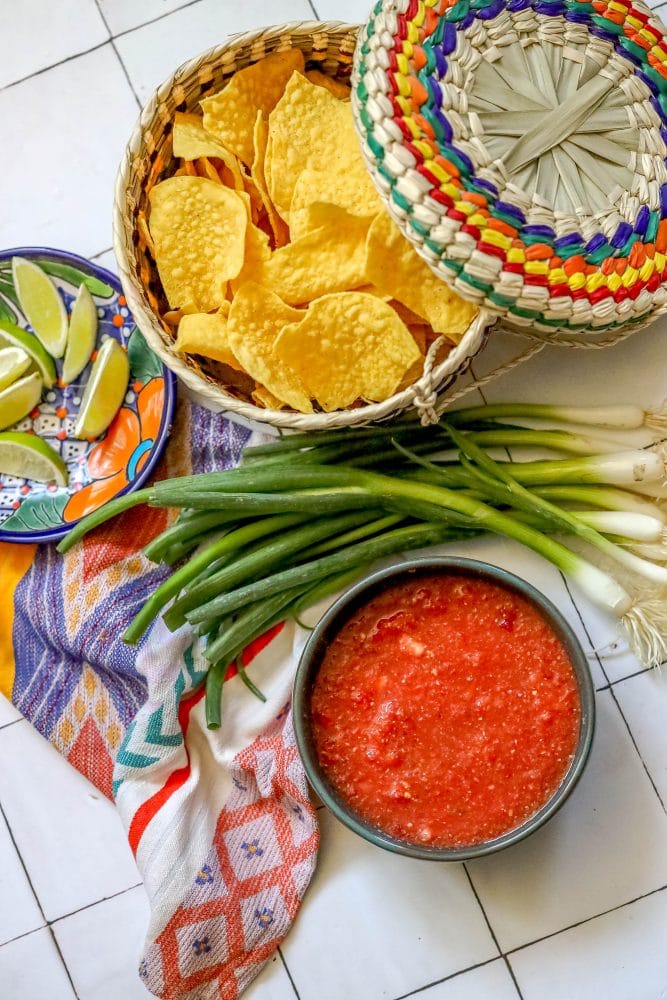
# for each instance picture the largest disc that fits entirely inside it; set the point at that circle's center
(260, 559)
(309, 573)
(223, 547)
(621, 417)
(606, 497)
(230, 643)
(240, 667)
(102, 515)
(185, 531)
(519, 496)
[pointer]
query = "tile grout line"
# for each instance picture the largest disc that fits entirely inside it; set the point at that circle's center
(616, 701)
(37, 899)
(62, 959)
(152, 20)
(45, 69)
(492, 932)
(87, 906)
(289, 974)
(6, 725)
(587, 920)
(446, 979)
(117, 53)
(627, 677)
(95, 256)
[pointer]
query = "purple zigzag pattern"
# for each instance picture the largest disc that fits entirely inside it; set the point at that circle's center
(49, 664)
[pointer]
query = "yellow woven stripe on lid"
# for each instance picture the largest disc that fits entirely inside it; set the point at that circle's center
(15, 561)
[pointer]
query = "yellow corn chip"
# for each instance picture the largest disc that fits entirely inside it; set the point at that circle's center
(256, 317)
(418, 331)
(349, 187)
(336, 87)
(330, 259)
(191, 141)
(349, 346)
(262, 397)
(230, 115)
(414, 372)
(307, 127)
(205, 168)
(393, 265)
(206, 334)
(257, 251)
(409, 317)
(174, 316)
(198, 228)
(372, 290)
(280, 231)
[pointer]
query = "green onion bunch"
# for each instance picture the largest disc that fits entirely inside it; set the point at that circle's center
(307, 514)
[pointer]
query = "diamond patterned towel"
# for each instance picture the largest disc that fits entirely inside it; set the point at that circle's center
(220, 822)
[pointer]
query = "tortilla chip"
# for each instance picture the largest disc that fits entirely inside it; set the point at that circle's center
(394, 266)
(348, 346)
(256, 317)
(198, 228)
(262, 397)
(330, 259)
(279, 228)
(307, 127)
(206, 334)
(350, 188)
(174, 316)
(418, 331)
(205, 168)
(191, 141)
(230, 115)
(336, 87)
(257, 251)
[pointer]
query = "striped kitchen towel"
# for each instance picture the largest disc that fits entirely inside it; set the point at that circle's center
(220, 822)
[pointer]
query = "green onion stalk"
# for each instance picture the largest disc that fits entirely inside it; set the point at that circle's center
(306, 515)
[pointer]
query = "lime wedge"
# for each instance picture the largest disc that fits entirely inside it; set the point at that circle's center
(19, 399)
(104, 390)
(13, 362)
(16, 336)
(28, 457)
(81, 337)
(42, 305)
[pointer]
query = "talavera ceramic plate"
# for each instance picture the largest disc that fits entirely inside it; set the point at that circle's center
(124, 457)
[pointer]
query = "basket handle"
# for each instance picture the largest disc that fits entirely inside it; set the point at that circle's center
(426, 402)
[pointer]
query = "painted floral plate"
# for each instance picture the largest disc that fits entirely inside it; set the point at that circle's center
(120, 461)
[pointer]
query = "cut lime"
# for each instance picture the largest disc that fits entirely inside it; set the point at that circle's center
(42, 305)
(81, 337)
(19, 399)
(13, 362)
(104, 390)
(15, 336)
(28, 457)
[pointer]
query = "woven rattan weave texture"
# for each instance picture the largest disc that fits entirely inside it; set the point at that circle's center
(148, 159)
(520, 145)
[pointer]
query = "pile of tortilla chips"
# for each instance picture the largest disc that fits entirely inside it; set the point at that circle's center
(276, 255)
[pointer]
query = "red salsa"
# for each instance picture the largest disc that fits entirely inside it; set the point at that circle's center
(446, 710)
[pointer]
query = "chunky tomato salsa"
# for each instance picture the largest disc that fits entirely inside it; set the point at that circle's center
(446, 710)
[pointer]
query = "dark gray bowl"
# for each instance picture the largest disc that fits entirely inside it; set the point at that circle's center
(331, 623)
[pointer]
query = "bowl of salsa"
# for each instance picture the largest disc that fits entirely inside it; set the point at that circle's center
(443, 709)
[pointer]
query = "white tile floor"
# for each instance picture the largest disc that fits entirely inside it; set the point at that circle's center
(578, 910)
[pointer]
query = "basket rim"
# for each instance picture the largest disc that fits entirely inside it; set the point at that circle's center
(459, 259)
(461, 354)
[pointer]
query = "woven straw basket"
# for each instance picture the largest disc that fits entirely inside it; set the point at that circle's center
(148, 159)
(520, 145)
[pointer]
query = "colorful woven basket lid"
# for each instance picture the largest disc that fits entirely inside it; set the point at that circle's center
(520, 145)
